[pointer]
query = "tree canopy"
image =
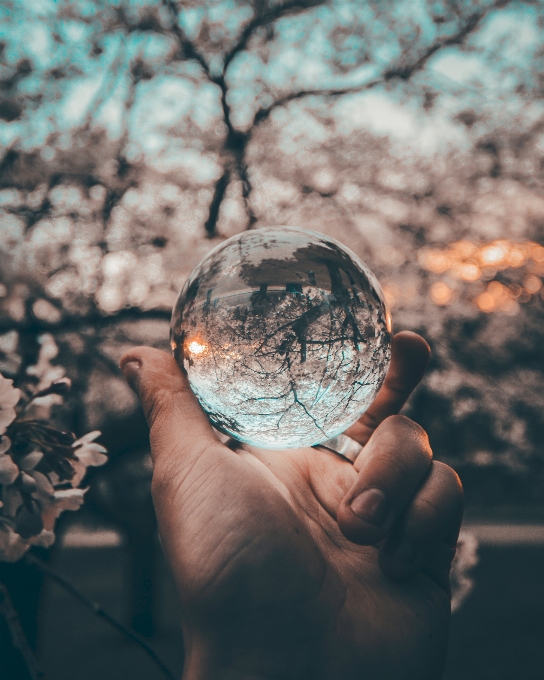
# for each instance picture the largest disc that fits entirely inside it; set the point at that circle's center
(136, 135)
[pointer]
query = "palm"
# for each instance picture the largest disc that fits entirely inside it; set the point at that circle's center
(298, 564)
(264, 550)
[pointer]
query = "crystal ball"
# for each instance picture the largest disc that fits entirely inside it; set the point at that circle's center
(284, 335)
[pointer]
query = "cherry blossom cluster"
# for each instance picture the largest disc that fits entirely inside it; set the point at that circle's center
(41, 469)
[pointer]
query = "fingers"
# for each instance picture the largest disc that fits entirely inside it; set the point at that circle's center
(406, 503)
(390, 469)
(409, 359)
(426, 536)
(179, 428)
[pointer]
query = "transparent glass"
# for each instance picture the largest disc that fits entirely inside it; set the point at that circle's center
(284, 335)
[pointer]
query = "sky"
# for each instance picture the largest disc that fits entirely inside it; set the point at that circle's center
(305, 53)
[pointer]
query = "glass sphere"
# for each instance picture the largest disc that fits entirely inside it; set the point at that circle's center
(284, 335)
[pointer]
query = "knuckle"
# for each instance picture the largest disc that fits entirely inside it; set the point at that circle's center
(369, 421)
(439, 504)
(397, 387)
(160, 404)
(448, 480)
(412, 438)
(404, 425)
(156, 407)
(158, 482)
(427, 508)
(166, 467)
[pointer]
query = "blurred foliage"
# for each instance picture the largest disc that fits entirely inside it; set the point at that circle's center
(137, 135)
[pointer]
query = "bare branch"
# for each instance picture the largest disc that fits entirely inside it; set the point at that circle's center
(246, 191)
(471, 24)
(106, 89)
(236, 141)
(264, 113)
(401, 72)
(218, 195)
(265, 18)
(187, 47)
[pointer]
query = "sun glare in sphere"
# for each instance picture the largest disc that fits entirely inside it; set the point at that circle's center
(196, 347)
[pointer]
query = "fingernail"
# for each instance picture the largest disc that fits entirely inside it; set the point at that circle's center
(131, 371)
(371, 506)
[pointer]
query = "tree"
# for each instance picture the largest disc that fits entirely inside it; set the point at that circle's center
(137, 135)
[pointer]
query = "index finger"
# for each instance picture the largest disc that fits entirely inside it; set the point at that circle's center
(410, 356)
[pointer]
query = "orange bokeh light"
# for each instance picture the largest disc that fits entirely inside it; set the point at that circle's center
(469, 262)
(441, 293)
(486, 302)
(532, 284)
(498, 297)
(466, 271)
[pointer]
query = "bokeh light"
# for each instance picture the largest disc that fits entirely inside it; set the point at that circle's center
(471, 262)
(441, 293)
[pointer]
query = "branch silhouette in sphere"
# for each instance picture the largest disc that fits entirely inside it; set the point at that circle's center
(284, 335)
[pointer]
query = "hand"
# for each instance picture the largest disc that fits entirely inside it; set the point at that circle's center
(297, 564)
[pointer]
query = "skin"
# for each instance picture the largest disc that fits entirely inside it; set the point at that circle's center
(277, 575)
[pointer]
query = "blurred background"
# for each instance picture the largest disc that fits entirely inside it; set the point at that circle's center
(136, 135)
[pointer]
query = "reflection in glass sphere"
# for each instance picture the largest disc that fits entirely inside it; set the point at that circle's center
(284, 336)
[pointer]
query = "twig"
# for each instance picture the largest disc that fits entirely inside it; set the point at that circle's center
(18, 636)
(97, 609)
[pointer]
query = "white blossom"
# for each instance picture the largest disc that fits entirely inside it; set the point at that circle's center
(8, 470)
(12, 546)
(68, 499)
(9, 396)
(88, 453)
(33, 489)
(30, 461)
(466, 558)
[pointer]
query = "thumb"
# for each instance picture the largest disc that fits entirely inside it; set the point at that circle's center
(180, 432)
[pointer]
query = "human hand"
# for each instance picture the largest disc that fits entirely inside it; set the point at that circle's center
(297, 564)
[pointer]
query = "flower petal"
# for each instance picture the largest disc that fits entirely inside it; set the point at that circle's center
(8, 470)
(9, 396)
(30, 461)
(92, 457)
(12, 546)
(12, 500)
(80, 472)
(87, 438)
(69, 499)
(43, 485)
(7, 416)
(45, 539)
